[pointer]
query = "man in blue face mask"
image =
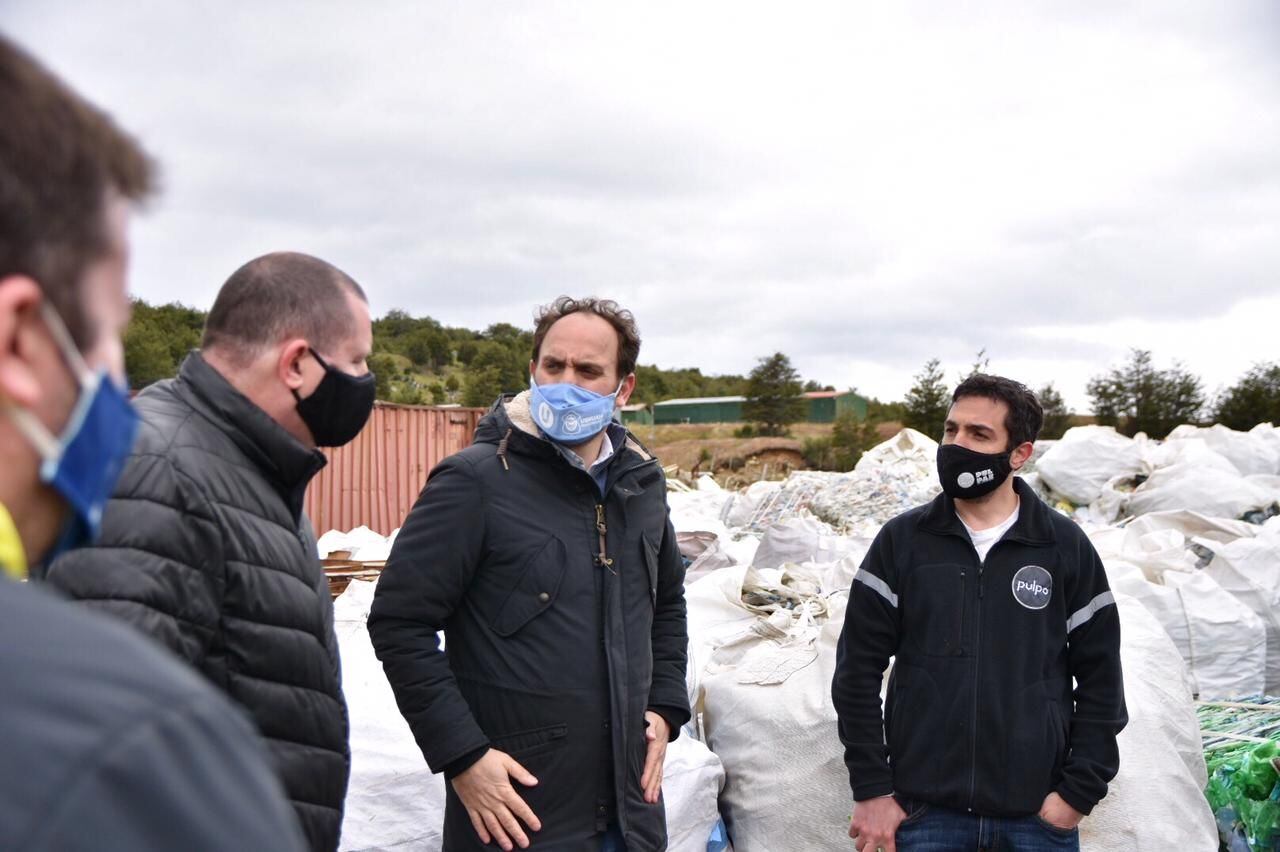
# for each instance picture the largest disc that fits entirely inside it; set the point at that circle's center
(545, 554)
(1006, 695)
(109, 743)
(205, 546)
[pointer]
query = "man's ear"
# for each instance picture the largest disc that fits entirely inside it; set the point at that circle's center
(20, 299)
(1020, 454)
(628, 387)
(289, 363)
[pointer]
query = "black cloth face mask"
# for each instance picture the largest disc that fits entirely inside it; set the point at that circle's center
(340, 405)
(966, 474)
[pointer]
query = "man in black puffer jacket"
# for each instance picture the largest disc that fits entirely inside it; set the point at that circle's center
(205, 546)
(545, 554)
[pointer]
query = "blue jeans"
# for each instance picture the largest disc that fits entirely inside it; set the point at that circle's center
(929, 828)
(611, 840)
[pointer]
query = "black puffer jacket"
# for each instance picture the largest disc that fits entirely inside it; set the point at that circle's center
(206, 549)
(553, 656)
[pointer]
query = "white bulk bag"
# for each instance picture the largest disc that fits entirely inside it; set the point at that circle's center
(1209, 491)
(765, 700)
(1249, 568)
(1086, 458)
(1155, 803)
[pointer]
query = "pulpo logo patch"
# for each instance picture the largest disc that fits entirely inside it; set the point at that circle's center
(546, 416)
(1032, 587)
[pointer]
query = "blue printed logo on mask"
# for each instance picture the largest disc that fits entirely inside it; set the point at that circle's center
(569, 414)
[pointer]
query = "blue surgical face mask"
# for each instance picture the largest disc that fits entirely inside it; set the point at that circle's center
(569, 414)
(84, 462)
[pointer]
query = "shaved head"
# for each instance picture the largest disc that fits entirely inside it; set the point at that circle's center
(280, 296)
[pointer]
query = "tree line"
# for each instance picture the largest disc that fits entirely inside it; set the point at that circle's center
(419, 360)
(1135, 396)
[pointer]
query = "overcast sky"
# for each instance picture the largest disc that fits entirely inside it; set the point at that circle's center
(862, 187)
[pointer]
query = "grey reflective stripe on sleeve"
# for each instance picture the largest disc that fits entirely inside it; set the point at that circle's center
(1087, 611)
(880, 587)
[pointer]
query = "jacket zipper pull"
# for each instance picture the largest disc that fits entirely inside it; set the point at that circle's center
(602, 558)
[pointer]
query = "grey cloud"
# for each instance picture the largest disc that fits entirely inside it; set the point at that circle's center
(470, 162)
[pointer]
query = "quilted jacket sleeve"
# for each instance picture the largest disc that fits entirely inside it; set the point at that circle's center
(158, 563)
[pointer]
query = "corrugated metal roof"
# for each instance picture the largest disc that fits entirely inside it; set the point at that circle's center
(829, 394)
(701, 399)
(375, 480)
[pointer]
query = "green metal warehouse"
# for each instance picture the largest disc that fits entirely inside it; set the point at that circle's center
(707, 409)
(823, 407)
(826, 406)
(636, 415)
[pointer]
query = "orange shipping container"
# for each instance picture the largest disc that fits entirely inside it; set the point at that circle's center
(375, 480)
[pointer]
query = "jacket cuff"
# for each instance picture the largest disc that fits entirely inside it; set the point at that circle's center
(1075, 800)
(456, 767)
(675, 719)
(877, 790)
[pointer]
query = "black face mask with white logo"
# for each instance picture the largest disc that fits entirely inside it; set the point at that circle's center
(340, 405)
(967, 475)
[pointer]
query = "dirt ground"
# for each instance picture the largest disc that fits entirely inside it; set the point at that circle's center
(735, 462)
(716, 453)
(657, 436)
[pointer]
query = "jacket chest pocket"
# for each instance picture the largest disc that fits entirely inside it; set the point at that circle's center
(535, 589)
(934, 604)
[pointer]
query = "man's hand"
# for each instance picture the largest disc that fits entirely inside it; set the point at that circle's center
(1058, 813)
(875, 824)
(493, 804)
(658, 733)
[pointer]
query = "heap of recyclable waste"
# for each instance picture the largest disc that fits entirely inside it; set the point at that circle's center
(1184, 526)
(1189, 531)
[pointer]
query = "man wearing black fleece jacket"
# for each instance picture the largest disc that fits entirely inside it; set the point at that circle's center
(992, 606)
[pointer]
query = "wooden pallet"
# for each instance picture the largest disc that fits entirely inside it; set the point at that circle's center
(340, 572)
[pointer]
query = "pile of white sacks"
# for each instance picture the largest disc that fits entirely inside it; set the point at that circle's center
(1198, 592)
(1167, 519)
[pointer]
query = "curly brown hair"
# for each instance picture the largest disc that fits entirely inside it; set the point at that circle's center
(607, 309)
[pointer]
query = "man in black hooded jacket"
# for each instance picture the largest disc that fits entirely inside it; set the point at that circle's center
(545, 554)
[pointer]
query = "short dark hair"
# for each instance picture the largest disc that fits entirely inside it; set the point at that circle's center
(1025, 415)
(60, 160)
(607, 309)
(279, 296)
